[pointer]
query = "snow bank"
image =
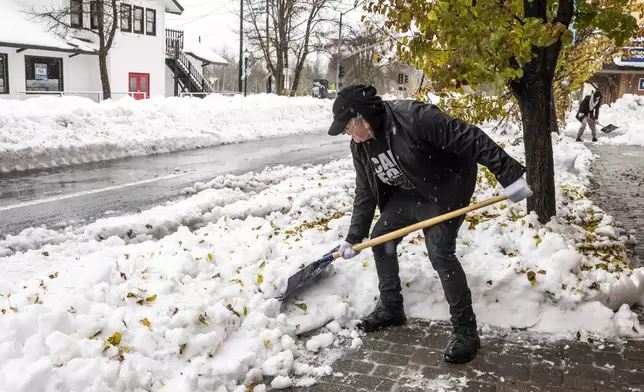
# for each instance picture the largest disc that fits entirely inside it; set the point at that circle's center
(47, 131)
(183, 299)
(626, 113)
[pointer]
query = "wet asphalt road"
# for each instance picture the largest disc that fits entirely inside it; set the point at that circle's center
(84, 193)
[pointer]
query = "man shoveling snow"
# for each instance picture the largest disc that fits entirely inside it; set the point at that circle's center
(415, 163)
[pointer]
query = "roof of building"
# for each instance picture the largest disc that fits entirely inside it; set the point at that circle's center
(21, 30)
(173, 7)
(203, 53)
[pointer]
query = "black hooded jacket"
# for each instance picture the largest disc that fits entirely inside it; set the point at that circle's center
(586, 110)
(437, 154)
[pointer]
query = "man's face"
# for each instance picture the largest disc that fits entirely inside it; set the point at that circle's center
(359, 129)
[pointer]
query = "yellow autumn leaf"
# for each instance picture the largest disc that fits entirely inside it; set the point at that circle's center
(539, 240)
(151, 298)
(238, 281)
(303, 307)
(532, 277)
(210, 257)
(260, 279)
(147, 323)
(202, 319)
(115, 339)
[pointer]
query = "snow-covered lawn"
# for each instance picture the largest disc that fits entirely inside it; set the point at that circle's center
(182, 297)
(627, 113)
(48, 131)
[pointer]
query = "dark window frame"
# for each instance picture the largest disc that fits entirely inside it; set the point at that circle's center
(73, 13)
(61, 83)
(5, 72)
(126, 10)
(154, 22)
(134, 30)
(93, 13)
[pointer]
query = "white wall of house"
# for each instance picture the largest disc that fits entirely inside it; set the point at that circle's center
(140, 53)
(169, 83)
(131, 52)
(80, 73)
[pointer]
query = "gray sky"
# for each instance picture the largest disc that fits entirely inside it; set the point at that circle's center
(217, 20)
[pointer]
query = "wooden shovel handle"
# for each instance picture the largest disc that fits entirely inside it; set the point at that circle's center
(423, 224)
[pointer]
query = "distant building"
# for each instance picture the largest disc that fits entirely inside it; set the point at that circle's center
(35, 61)
(625, 75)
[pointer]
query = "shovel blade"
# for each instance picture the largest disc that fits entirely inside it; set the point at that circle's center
(306, 273)
(609, 128)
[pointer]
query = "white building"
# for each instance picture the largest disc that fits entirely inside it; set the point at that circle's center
(35, 60)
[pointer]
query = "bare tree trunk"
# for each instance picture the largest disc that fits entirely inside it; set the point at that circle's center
(105, 79)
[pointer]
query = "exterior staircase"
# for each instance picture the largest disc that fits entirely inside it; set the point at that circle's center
(189, 79)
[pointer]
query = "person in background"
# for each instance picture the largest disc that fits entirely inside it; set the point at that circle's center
(588, 113)
(416, 163)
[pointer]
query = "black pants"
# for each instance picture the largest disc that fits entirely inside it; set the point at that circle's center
(405, 208)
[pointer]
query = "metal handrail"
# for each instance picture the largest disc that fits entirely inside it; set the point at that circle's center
(174, 47)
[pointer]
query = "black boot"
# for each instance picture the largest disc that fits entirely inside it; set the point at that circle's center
(383, 317)
(463, 345)
(594, 139)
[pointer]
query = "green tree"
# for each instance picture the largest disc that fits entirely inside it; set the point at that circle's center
(512, 44)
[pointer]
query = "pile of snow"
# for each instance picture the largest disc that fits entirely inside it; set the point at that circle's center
(183, 297)
(47, 131)
(627, 113)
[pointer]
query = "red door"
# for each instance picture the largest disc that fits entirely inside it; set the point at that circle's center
(139, 85)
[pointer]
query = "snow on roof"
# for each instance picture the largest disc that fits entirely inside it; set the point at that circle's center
(203, 53)
(626, 63)
(18, 28)
(173, 7)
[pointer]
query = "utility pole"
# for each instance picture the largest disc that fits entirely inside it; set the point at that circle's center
(268, 51)
(241, 42)
(338, 59)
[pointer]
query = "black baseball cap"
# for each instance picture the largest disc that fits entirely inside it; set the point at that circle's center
(351, 101)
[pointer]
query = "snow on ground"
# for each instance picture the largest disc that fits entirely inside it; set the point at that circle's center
(51, 131)
(182, 297)
(626, 113)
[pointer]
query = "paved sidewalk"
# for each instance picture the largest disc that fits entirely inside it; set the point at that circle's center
(618, 179)
(409, 358)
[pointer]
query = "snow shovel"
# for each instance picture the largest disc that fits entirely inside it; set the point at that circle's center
(606, 129)
(310, 271)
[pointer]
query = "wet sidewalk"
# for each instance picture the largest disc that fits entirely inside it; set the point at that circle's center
(410, 358)
(618, 189)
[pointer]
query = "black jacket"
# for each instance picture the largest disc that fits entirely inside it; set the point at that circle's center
(584, 109)
(437, 154)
